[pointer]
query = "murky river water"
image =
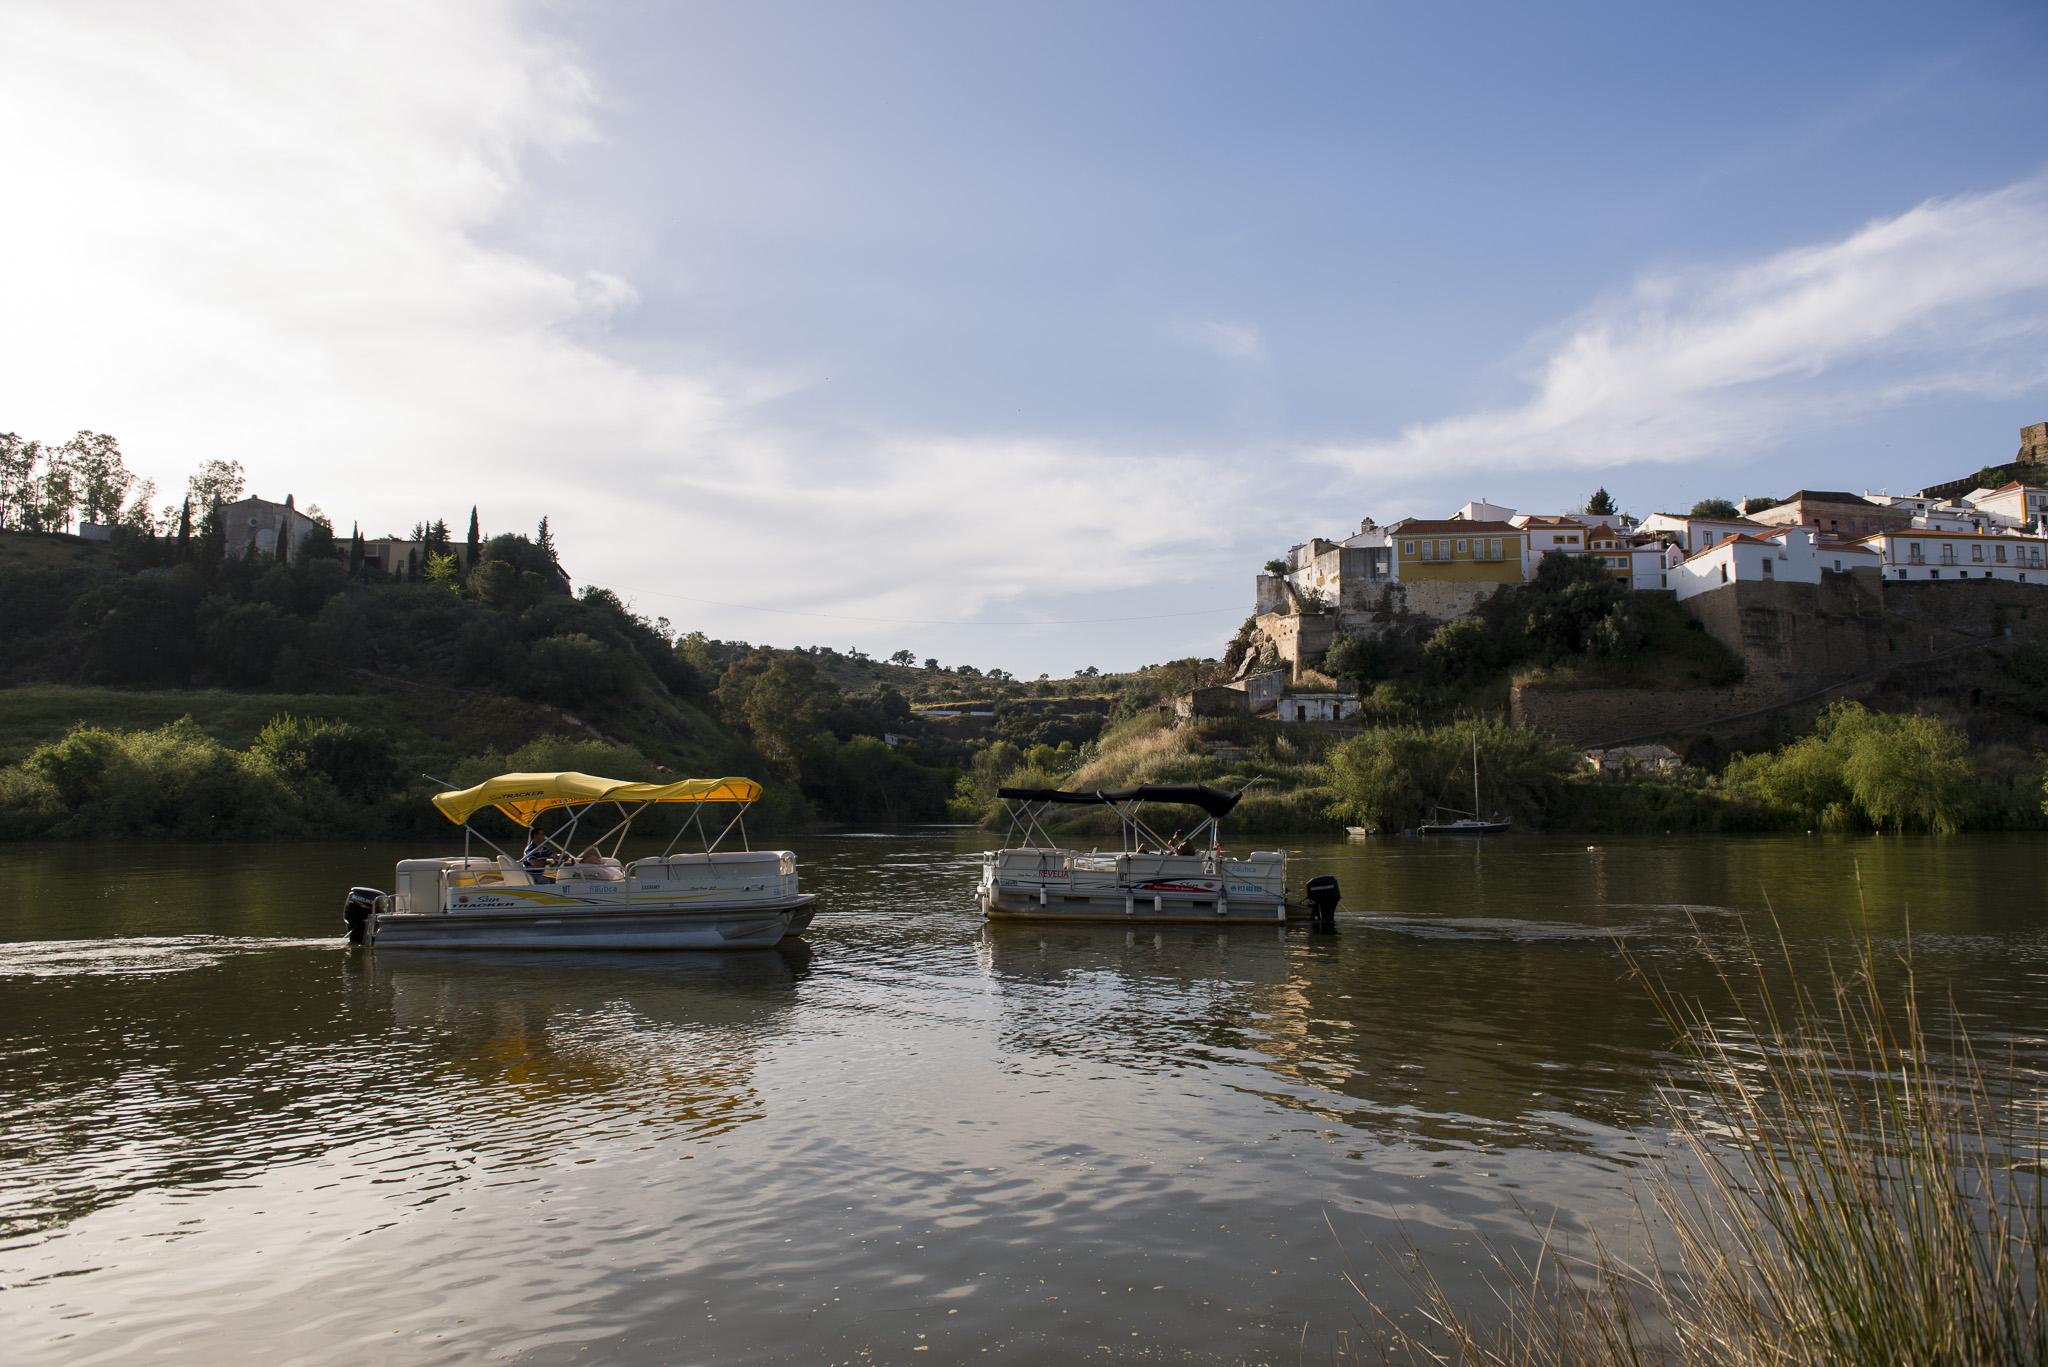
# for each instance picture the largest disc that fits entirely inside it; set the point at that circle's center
(229, 1139)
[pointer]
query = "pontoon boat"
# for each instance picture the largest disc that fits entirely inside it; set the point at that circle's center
(1150, 878)
(573, 893)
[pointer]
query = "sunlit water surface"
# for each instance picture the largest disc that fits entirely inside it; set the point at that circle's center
(916, 1138)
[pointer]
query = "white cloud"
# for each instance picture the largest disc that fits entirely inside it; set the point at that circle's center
(1951, 296)
(274, 233)
(1232, 340)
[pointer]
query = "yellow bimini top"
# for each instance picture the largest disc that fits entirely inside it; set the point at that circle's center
(525, 796)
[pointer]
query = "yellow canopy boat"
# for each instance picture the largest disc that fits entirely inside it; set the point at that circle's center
(553, 896)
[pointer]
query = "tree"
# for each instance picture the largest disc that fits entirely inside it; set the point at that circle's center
(56, 491)
(903, 657)
(434, 538)
(140, 517)
(1087, 672)
(1601, 504)
(442, 569)
(218, 481)
(99, 474)
(931, 665)
(545, 540)
(1757, 505)
(1714, 507)
(1276, 566)
(355, 548)
(185, 529)
(18, 461)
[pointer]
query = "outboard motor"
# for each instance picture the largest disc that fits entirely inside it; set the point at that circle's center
(358, 911)
(1322, 900)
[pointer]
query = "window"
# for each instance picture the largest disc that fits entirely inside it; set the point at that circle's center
(1934, 574)
(1463, 546)
(1767, 567)
(1948, 552)
(1493, 548)
(1443, 548)
(1708, 539)
(1724, 574)
(2001, 555)
(1977, 554)
(1913, 556)
(1407, 548)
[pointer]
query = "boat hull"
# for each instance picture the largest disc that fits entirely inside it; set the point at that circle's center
(752, 925)
(1000, 905)
(1034, 884)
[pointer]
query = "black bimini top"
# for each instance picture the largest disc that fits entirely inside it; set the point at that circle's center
(1216, 802)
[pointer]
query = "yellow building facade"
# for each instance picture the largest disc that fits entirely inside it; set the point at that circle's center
(1455, 551)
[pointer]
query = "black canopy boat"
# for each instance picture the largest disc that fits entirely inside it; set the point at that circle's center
(1178, 877)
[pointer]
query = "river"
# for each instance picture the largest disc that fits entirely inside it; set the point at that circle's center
(915, 1138)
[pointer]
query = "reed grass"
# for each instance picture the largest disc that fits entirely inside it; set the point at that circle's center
(1846, 1185)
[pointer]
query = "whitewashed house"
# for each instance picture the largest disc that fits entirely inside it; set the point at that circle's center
(1917, 554)
(1697, 533)
(2012, 505)
(1785, 556)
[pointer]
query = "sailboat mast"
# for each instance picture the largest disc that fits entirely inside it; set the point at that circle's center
(1475, 772)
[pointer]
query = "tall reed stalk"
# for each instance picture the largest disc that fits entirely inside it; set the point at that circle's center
(1845, 1189)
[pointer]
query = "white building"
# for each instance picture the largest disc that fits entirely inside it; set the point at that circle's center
(1916, 554)
(2013, 505)
(1782, 556)
(1650, 563)
(1697, 533)
(1479, 510)
(1316, 706)
(1549, 533)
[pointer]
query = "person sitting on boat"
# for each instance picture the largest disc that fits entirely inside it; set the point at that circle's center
(535, 857)
(592, 864)
(1176, 843)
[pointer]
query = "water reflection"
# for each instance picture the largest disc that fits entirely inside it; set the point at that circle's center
(920, 1131)
(458, 1063)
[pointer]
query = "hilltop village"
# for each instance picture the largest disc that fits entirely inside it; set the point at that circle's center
(1812, 591)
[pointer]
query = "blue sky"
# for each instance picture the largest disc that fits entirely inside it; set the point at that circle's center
(878, 320)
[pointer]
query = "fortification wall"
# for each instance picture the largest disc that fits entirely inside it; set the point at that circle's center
(1802, 646)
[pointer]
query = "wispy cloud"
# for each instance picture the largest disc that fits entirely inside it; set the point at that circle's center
(279, 234)
(1951, 296)
(1233, 340)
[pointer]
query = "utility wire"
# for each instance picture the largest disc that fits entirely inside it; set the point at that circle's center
(932, 621)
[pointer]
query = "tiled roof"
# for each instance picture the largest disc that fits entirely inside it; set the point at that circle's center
(1443, 526)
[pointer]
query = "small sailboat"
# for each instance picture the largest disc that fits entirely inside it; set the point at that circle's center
(1467, 823)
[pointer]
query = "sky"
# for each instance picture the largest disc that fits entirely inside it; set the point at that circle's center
(1017, 335)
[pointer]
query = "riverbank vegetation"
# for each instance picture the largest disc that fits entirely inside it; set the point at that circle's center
(1845, 1182)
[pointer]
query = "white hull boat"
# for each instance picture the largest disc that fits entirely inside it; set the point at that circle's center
(1168, 880)
(713, 899)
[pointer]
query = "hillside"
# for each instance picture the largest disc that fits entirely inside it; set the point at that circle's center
(175, 662)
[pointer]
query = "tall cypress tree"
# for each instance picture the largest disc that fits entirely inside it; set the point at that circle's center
(185, 529)
(476, 540)
(355, 548)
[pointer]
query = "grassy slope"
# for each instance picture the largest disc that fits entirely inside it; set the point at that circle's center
(428, 724)
(1223, 752)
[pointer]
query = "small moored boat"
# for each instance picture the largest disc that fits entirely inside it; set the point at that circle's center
(1467, 823)
(1152, 878)
(555, 897)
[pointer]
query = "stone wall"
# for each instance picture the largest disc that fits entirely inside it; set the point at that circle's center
(1301, 638)
(1802, 645)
